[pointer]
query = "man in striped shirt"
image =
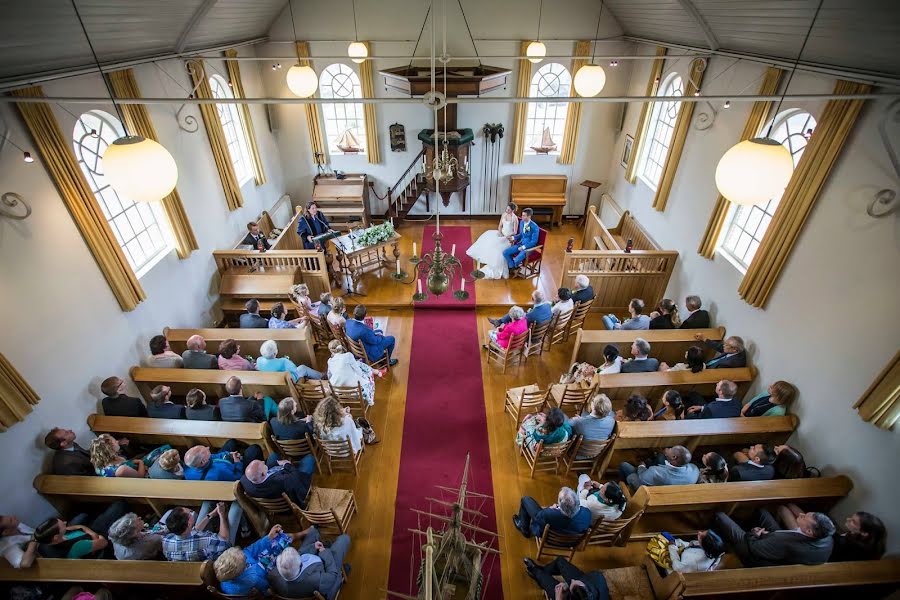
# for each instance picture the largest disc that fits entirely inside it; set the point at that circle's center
(188, 540)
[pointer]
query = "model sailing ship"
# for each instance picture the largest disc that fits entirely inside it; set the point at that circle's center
(347, 143)
(547, 144)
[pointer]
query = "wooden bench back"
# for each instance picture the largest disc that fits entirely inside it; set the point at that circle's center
(180, 433)
(296, 344)
(652, 385)
(87, 570)
(629, 229)
(212, 382)
(666, 345)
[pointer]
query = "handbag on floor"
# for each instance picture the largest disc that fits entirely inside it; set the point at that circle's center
(368, 432)
(658, 550)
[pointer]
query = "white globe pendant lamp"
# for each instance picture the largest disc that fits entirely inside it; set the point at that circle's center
(536, 52)
(754, 171)
(357, 52)
(140, 169)
(302, 81)
(590, 80)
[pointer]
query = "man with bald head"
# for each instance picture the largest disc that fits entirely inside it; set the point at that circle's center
(274, 477)
(195, 357)
(226, 465)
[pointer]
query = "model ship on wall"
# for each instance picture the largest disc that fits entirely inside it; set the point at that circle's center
(347, 143)
(547, 144)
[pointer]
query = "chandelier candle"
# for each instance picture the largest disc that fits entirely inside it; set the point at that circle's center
(453, 250)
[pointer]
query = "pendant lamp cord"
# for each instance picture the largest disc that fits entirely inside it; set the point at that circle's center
(294, 30)
(540, 14)
(100, 70)
(355, 30)
(469, 29)
(596, 34)
(794, 68)
(419, 39)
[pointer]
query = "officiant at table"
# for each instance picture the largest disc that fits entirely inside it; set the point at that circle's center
(311, 224)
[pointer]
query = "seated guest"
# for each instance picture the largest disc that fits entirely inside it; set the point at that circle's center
(724, 406)
(269, 361)
(237, 408)
(864, 539)
(567, 516)
(167, 466)
(636, 321)
(605, 501)
(665, 316)
(676, 469)
(345, 371)
(612, 362)
(596, 425)
(336, 315)
(116, 403)
(575, 584)
(729, 354)
(278, 320)
(334, 422)
(195, 357)
(789, 463)
(753, 464)
(640, 361)
(251, 319)
(299, 295)
(188, 539)
(564, 303)
(697, 318)
(715, 469)
(517, 325)
(374, 342)
(230, 358)
(636, 409)
(768, 545)
(771, 403)
(288, 425)
(17, 543)
(672, 408)
(275, 477)
(550, 428)
(539, 312)
(132, 540)
(583, 291)
(325, 300)
(68, 457)
(693, 361)
(255, 238)
(197, 409)
(241, 571)
(73, 539)
(700, 555)
(109, 462)
(161, 405)
(161, 355)
(312, 568)
(226, 465)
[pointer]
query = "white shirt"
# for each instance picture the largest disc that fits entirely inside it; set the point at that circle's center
(614, 368)
(562, 306)
(12, 547)
(347, 429)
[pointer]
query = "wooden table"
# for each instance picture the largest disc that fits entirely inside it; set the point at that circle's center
(354, 260)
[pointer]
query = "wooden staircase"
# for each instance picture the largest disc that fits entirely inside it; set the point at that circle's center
(404, 194)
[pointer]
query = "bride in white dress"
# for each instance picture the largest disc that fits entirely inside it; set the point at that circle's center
(488, 249)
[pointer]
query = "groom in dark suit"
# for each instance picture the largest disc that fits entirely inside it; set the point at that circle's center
(522, 241)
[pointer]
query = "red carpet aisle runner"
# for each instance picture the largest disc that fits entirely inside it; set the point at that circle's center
(445, 418)
(462, 237)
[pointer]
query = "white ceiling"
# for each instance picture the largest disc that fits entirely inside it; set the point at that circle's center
(42, 35)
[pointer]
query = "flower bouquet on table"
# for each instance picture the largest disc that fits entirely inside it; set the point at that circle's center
(375, 234)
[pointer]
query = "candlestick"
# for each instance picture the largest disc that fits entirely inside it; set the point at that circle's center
(420, 285)
(453, 250)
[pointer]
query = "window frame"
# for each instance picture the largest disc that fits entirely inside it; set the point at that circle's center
(533, 132)
(234, 129)
(335, 125)
(656, 149)
(117, 210)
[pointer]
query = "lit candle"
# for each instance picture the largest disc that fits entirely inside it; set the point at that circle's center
(414, 249)
(398, 266)
(420, 285)
(453, 250)
(463, 284)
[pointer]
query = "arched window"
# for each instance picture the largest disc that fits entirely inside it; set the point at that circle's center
(659, 132)
(551, 81)
(140, 228)
(747, 224)
(344, 124)
(233, 127)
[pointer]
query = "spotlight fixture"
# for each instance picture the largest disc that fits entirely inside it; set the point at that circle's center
(94, 133)
(28, 158)
(697, 93)
(614, 63)
(727, 104)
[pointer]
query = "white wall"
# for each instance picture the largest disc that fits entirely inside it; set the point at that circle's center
(828, 325)
(63, 329)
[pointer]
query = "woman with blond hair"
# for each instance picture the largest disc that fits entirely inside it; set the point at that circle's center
(346, 371)
(109, 462)
(299, 295)
(336, 315)
(288, 425)
(334, 422)
(665, 316)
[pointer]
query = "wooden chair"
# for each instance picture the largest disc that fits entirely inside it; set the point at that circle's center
(515, 349)
(537, 333)
(580, 313)
(321, 330)
(329, 509)
(615, 532)
(338, 333)
(280, 510)
(351, 396)
(315, 596)
(294, 450)
(212, 584)
(571, 398)
(531, 266)
(339, 455)
(359, 351)
(552, 543)
(593, 451)
(559, 327)
(311, 392)
(545, 457)
(525, 400)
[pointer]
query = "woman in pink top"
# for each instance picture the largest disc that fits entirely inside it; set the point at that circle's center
(230, 358)
(502, 334)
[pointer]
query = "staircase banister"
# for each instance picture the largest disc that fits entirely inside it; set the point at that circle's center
(415, 161)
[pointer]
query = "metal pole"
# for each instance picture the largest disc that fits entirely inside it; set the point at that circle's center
(467, 57)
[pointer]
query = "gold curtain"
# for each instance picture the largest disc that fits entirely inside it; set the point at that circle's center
(679, 135)
(573, 115)
(313, 123)
(880, 405)
(802, 191)
(16, 396)
(237, 87)
(137, 119)
(646, 110)
(217, 143)
(59, 159)
(520, 116)
(367, 81)
(757, 119)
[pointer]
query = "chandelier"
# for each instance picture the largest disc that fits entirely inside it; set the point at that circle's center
(445, 166)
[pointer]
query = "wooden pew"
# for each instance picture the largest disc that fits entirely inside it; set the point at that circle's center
(296, 344)
(652, 385)
(181, 433)
(540, 191)
(86, 570)
(211, 381)
(666, 345)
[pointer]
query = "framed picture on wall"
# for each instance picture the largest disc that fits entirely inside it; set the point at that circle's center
(627, 151)
(398, 137)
